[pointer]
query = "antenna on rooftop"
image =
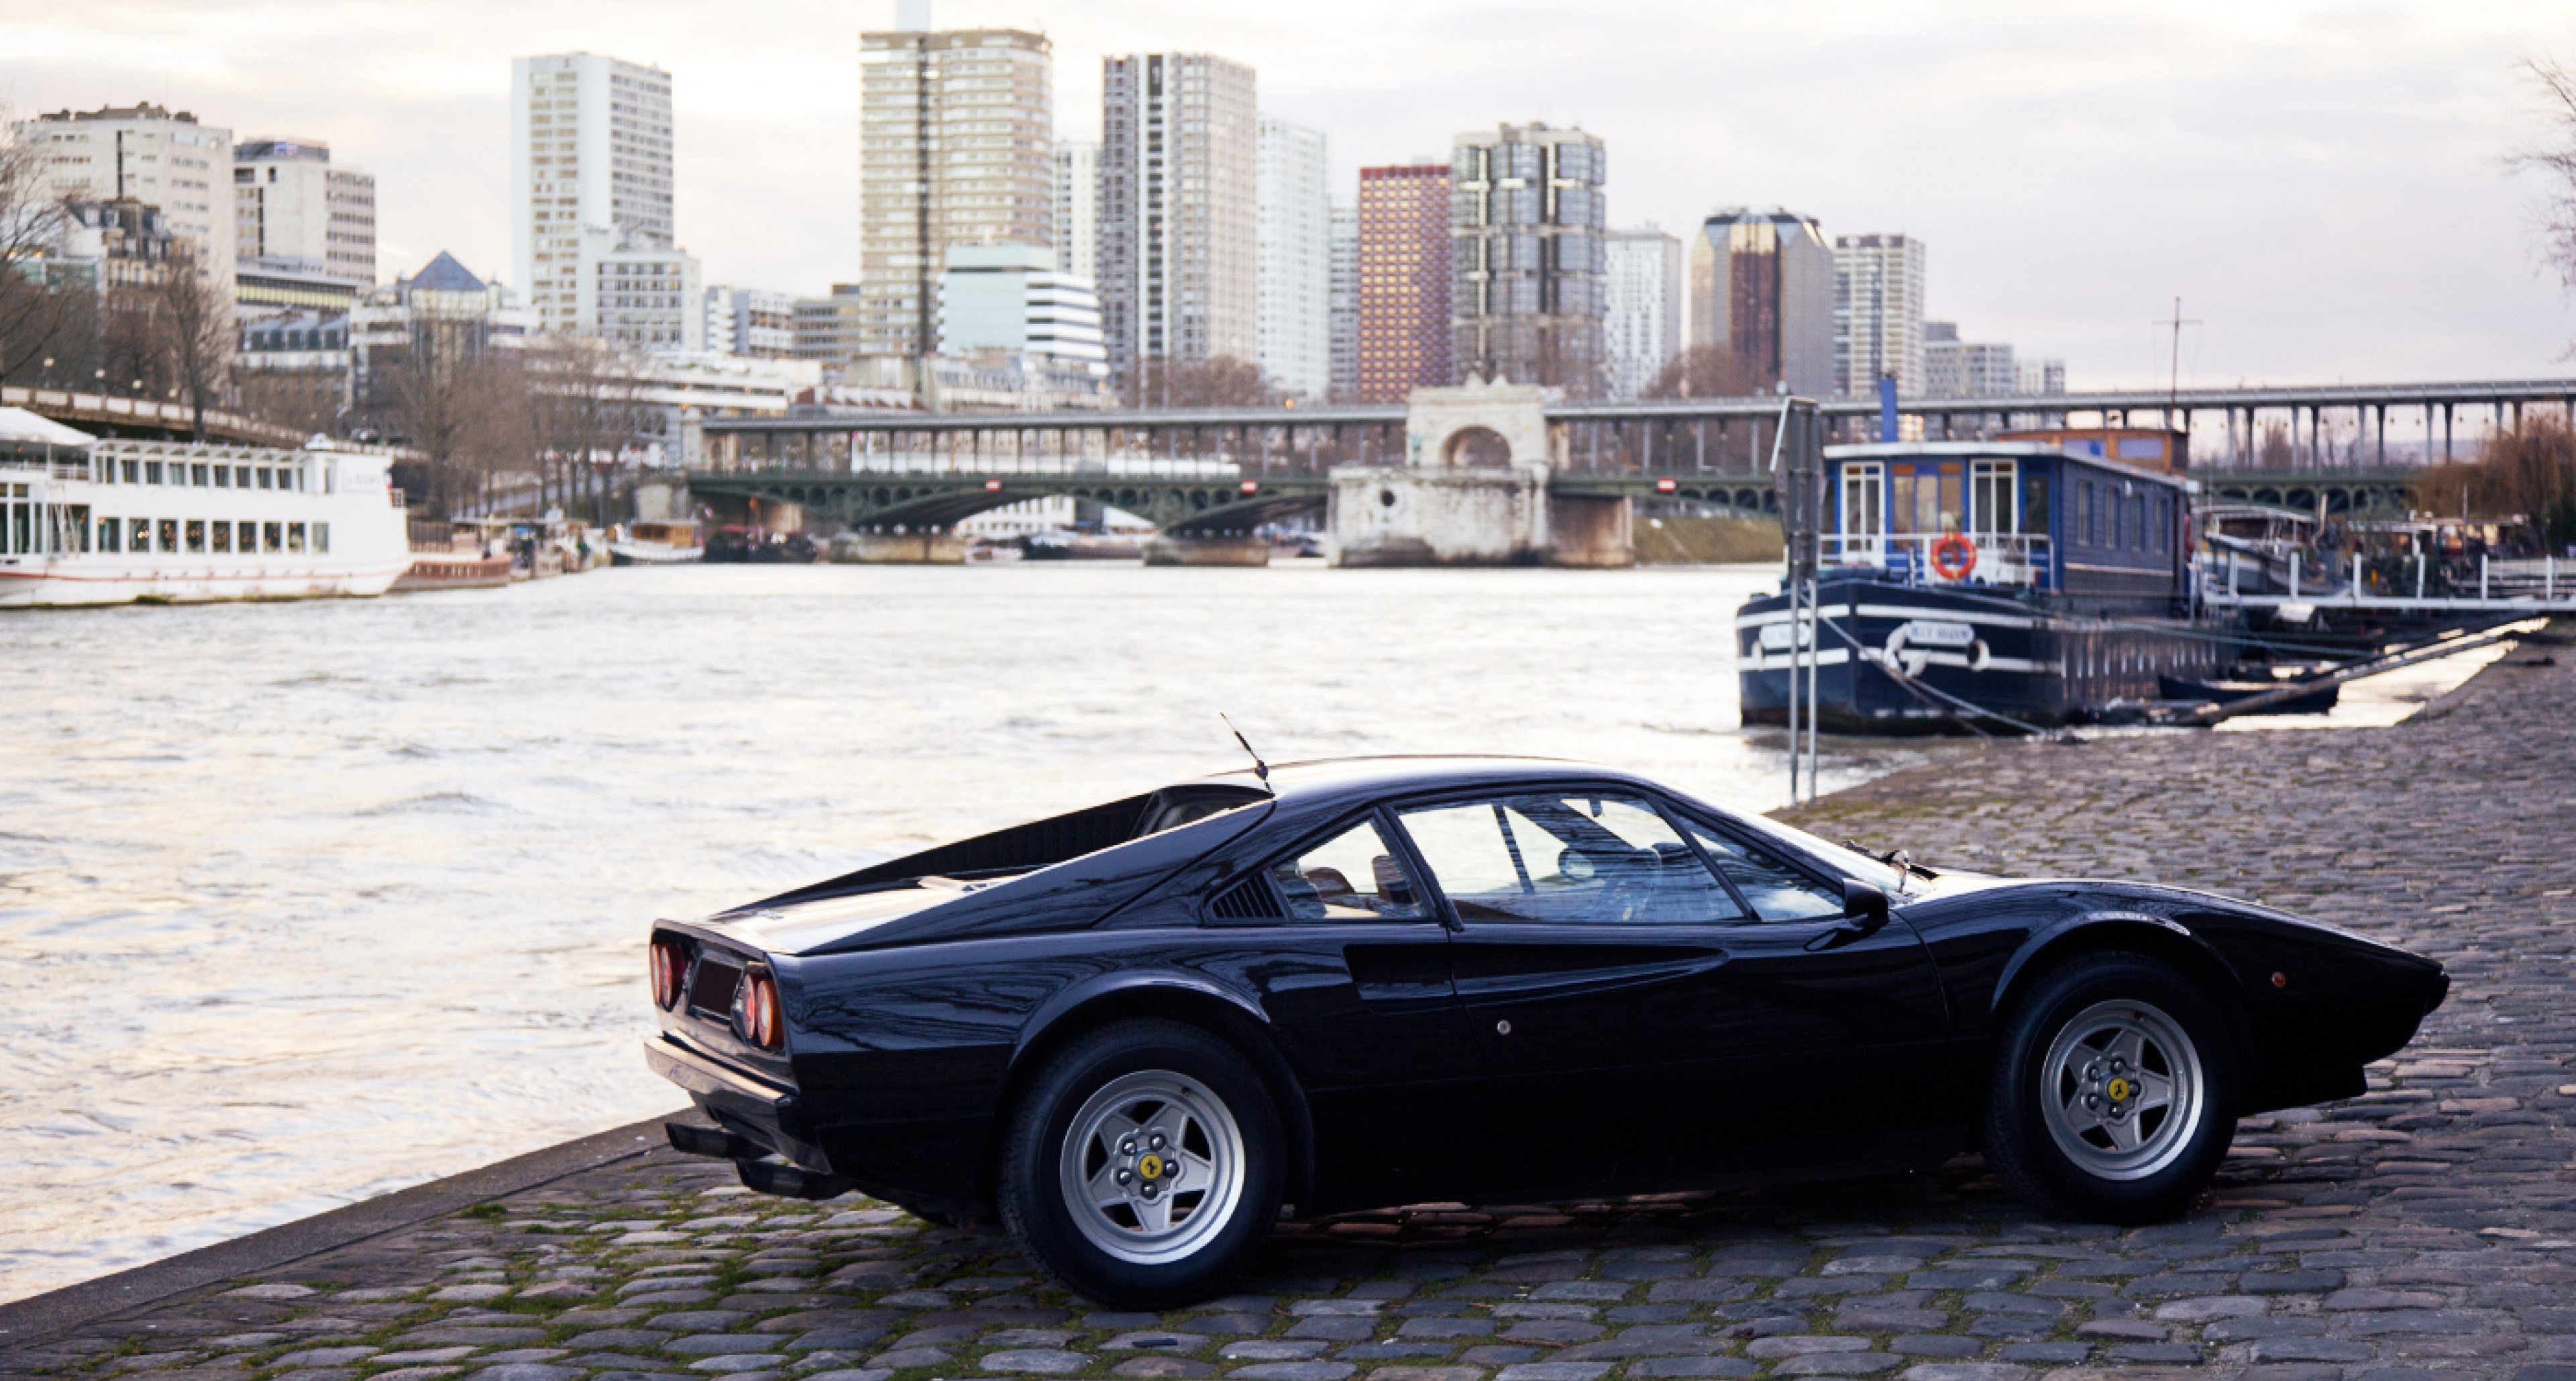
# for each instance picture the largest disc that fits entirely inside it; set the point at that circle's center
(1260, 769)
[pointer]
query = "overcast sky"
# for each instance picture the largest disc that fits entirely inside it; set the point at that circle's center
(2322, 184)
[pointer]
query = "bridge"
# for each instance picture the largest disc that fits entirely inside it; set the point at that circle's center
(1223, 472)
(146, 419)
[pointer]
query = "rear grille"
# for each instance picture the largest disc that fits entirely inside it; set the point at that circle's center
(1248, 900)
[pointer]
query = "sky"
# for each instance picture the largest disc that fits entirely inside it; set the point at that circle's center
(2325, 186)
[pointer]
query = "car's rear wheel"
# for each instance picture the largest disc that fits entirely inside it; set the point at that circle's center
(1144, 1164)
(2113, 1094)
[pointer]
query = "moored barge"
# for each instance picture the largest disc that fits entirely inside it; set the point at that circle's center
(2033, 583)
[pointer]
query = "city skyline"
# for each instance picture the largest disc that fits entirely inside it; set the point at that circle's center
(2051, 160)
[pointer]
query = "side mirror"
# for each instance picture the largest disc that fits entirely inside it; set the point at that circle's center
(1865, 906)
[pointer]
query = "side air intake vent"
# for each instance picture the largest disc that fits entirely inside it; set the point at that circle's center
(1248, 900)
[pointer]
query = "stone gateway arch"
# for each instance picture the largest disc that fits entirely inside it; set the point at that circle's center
(1472, 491)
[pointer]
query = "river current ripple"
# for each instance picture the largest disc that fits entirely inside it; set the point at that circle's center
(303, 903)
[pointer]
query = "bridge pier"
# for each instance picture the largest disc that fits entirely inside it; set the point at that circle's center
(899, 549)
(1207, 551)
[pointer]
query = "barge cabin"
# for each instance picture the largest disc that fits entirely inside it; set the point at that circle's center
(2025, 579)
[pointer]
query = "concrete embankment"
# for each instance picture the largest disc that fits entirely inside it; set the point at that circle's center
(2426, 1228)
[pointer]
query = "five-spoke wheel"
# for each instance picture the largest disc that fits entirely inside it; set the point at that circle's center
(2113, 1090)
(1144, 1164)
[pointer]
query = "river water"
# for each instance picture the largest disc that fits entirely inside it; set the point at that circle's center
(300, 903)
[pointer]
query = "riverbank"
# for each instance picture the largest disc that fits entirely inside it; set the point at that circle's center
(2428, 1227)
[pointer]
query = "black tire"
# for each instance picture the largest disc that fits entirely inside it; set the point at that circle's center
(1030, 1188)
(2023, 1137)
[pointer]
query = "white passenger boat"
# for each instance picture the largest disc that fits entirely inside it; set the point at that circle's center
(87, 521)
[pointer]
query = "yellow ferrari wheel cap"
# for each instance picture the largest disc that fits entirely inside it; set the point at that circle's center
(2119, 1090)
(1151, 1167)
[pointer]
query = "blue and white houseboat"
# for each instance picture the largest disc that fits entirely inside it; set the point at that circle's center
(2023, 579)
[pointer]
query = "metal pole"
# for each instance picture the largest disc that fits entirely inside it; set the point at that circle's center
(2419, 572)
(2482, 575)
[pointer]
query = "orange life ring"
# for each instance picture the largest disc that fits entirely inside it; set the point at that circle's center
(1953, 556)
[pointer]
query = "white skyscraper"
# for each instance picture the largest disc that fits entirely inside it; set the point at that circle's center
(147, 154)
(590, 176)
(1641, 326)
(1180, 214)
(1294, 259)
(1342, 303)
(1878, 312)
(1077, 207)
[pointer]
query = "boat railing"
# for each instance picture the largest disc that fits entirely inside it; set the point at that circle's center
(2002, 558)
(52, 467)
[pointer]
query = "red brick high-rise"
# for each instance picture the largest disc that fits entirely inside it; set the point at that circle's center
(1403, 281)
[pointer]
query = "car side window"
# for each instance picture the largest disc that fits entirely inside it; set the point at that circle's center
(1600, 859)
(1776, 891)
(1353, 876)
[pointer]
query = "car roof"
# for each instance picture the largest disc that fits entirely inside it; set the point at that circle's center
(1330, 779)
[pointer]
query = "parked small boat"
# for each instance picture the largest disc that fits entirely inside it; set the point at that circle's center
(453, 571)
(655, 544)
(2318, 701)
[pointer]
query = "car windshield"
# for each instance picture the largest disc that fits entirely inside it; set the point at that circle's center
(1848, 862)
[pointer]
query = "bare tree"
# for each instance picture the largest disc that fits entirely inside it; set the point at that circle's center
(2528, 473)
(582, 414)
(1707, 371)
(192, 326)
(2555, 160)
(1221, 381)
(35, 311)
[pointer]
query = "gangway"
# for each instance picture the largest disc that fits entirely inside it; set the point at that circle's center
(2533, 585)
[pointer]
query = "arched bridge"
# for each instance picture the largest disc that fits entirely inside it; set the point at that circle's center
(1212, 503)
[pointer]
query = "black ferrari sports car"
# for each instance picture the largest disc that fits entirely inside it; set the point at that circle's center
(1140, 1032)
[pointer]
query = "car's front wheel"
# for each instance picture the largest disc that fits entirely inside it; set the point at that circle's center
(1143, 1165)
(2113, 1094)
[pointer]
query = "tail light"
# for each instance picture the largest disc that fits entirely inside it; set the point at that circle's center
(669, 965)
(755, 1012)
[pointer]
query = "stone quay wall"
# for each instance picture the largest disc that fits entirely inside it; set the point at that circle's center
(2426, 1229)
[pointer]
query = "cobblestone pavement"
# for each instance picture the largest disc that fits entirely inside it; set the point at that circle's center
(2427, 1227)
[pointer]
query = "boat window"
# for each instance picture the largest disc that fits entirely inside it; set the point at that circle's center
(1927, 497)
(295, 538)
(111, 534)
(75, 527)
(196, 534)
(197, 476)
(133, 472)
(1776, 891)
(267, 478)
(223, 477)
(322, 538)
(169, 538)
(1353, 876)
(1602, 860)
(152, 472)
(269, 539)
(249, 538)
(17, 519)
(1864, 491)
(222, 537)
(241, 477)
(1990, 496)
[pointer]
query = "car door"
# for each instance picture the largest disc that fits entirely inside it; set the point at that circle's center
(1590, 939)
(1351, 960)
(1844, 1036)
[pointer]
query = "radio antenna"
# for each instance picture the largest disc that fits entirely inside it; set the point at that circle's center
(1260, 769)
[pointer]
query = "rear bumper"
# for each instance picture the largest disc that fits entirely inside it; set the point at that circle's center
(774, 1117)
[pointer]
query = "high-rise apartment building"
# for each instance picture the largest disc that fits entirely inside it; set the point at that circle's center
(1077, 208)
(1762, 288)
(1294, 258)
(831, 329)
(1179, 208)
(749, 321)
(293, 208)
(956, 146)
(1641, 319)
(1403, 251)
(1878, 313)
(1342, 304)
(1525, 271)
(590, 176)
(2038, 378)
(147, 154)
(1954, 368)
